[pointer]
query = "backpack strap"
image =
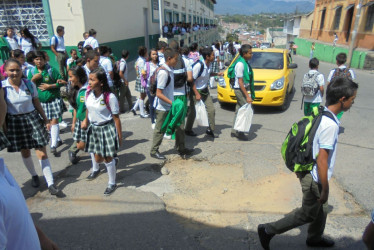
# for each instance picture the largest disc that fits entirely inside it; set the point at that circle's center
(56, 41)
(201, 68)
(29, 86)
(148, 69)
(106, 97)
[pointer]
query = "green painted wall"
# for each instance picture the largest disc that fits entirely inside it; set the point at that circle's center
(327, 53)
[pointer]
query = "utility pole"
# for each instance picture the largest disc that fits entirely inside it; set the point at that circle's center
(160, 17)
(354, 33)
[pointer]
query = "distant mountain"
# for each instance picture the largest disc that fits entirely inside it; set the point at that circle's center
(247, 7)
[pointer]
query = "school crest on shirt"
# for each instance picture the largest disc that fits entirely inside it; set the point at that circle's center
(102, 103)
(81, 99)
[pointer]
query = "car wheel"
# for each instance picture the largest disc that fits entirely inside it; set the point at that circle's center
(286, 102)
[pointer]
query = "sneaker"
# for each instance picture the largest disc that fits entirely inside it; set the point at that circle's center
(73, 157)
(133, 111)
(144, 116)
(264, 236)
(53, 190)
(168, 137)
(63, 125)
(211, 133)
(110, 189)
(323, 242)
(35, 181)
(153, 125)
(93, 175)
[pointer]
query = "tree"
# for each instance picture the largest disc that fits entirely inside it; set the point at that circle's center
(232, 37)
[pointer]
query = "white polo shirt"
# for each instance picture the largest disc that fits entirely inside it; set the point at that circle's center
(88, 71)
(19, 102)
(317, 98)
(98, 113)
(17, 229)
(26, 45)
(341, 67)
(326, 137)
(123, 68)
(161, 58)
(92, 42)
(106, 64)
(203, 80)
(13, 43)
(60, 43)
(239, 73)
(168, 91)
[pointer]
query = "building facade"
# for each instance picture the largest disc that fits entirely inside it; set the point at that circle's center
(119, 23)
(332, 17)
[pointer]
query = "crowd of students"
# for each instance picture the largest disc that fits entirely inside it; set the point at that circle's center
(181, 28)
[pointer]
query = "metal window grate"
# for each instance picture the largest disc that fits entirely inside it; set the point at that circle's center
(20, 13)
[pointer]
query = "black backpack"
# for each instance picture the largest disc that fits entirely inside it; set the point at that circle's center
(180, 73)
(153, 80)
(201, 68)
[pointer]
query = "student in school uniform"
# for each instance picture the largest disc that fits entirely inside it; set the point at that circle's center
(11, 38)
(106, 64)
(104, 134)
(161, 46)
(28, 42)
(91, 40)
(139, 68)
(92, 61)
(163, 103)
(150, 67)
(215, 64)
(24, 127)
(48, 82)
(124, 90)
(201, 91)
(58, 48)
(72, 60)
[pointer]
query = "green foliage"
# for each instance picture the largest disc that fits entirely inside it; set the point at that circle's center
(232, 37)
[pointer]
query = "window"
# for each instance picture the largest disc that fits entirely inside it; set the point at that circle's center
(369, 18)
(338, 14)
(266, 60)
(323, 18)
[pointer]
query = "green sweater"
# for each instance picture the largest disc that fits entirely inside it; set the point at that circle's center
(49, 76)
(248, 77)
(81, 106)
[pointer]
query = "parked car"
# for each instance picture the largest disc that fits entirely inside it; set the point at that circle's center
(265, 45)
(274, 78)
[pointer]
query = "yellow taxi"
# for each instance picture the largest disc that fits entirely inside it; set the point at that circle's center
(274, 78)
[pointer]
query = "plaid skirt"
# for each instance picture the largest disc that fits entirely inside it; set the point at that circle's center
(215, 67)
(4, 143)
(102, 140)
(138, 86)
(79, 133)
(26, 131)
(54, 109)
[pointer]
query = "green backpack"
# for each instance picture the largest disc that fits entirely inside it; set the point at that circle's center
(297, 148)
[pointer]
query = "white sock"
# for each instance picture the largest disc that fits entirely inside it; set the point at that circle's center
(141, 106)
(211, 83)
(55, 132)
(95, 165)
(111, 168)
(29, 165)
(47, 171)
(136, 105)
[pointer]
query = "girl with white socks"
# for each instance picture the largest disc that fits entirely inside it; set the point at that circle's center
(26, 123)
(139, 68)
(104, 134)
(48, 82)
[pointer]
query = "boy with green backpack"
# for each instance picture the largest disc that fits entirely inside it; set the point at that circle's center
(314, 175)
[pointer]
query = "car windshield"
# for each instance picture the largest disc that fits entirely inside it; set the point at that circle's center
(266, 60)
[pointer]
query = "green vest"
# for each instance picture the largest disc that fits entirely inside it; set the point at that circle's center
(247, 74)
(81, 106)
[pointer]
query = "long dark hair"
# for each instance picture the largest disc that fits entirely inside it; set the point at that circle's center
(27, 33)
(101, 76)
(80, 73)
(149, 55)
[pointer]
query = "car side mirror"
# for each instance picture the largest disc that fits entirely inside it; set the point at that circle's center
(292, 66)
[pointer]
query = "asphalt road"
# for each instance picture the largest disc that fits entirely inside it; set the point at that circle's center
(134, 217)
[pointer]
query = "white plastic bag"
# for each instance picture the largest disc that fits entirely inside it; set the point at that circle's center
(201, 114)
(244, 118)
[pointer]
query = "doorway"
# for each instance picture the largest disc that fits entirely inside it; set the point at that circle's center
(348, 23)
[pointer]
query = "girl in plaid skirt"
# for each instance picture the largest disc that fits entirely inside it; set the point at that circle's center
(140, 83)
(104, 134)
(26, 123)
(215, 64)
(48, 82)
